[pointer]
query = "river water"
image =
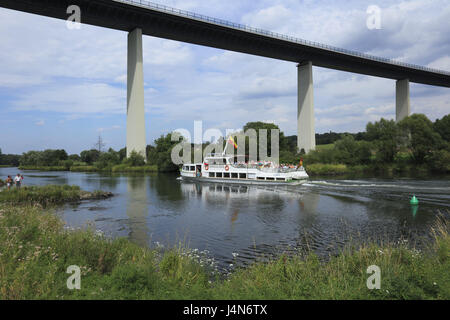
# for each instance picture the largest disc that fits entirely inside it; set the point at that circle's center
(238, 224)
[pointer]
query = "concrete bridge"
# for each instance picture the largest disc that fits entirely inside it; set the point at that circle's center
(139, 17)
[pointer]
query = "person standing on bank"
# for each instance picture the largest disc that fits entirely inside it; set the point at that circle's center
(9, 182)
(18, 180)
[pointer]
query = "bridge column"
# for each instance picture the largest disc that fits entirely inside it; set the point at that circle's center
(402, 104)
(306, 134)
(135, 95)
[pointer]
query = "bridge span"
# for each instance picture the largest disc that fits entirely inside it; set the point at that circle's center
(140, 17)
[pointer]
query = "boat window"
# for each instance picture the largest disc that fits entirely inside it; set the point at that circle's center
(281, 179)
(243, 175)
(192, 168)
(226, 175)
(218, 174)
(261, 178)
(211, 174)
(234, 175)
(270, 178)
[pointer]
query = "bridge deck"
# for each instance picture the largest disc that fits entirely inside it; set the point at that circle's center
(169, 23)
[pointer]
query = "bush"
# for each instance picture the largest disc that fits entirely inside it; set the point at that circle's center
(421, 138)
(439, 160)
(327, 169)
(134, 160)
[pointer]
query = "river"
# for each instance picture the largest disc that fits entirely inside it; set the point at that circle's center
(238, 224)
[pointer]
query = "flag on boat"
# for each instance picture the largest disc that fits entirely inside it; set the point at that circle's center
(231, 141)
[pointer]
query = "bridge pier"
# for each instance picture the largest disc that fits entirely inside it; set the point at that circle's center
(306, 134)
(402, 103)
(135, 95)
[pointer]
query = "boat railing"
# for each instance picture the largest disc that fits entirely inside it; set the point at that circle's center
(254, 166)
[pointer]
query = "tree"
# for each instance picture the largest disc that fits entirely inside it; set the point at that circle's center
(74, 157)
(443, 127)
(162, 155)
(385, 135)
(134, 160)
(90, 156)
(109, 158)
(421, 138)
(122, 154)
(284, 143)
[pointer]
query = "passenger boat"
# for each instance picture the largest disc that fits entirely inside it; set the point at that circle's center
(222, 168)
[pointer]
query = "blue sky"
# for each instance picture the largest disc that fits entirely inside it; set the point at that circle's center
(61, 88)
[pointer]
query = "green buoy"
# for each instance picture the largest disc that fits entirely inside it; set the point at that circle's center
(414, 201)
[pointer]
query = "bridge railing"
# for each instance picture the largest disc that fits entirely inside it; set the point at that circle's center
(238, 26)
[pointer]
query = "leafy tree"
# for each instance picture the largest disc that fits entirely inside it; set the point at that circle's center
(418, 131)
(74, 157)
(439, 160)
(106, 159)
(442, 127)
(385, 135)
(47, 157)
(346, 149)
(134, 160)
(284, 143)
(90, 156)
(161, 155)
(9, 159)
(122, 154)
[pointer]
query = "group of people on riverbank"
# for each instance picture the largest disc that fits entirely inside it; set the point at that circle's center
(17, 181)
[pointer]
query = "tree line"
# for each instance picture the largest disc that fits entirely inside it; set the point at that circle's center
(415, 140)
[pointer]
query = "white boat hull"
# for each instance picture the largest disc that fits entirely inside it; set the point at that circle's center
(243, 181)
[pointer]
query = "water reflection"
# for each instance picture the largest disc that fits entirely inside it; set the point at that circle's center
(137, 210)
(414, 209)
(251, 220)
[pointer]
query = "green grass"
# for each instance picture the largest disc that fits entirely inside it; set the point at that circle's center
(320, 147)
(327, 169)
(83, 169)
(126, 168)
(46, 195)
(35, 251)
(44, 168)
(121, 168)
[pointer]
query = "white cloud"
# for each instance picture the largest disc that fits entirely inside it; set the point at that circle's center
(84, 98)
(79, 73)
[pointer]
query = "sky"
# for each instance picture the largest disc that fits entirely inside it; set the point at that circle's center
(62, 88)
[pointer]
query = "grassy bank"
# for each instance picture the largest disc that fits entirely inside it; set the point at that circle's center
(35, 251)
(43, 168)
(47, 195)
(323, 169)
(121, 168)
(327, 169)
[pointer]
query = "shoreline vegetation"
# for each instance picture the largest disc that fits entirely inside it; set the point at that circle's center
(86, 168)
(36, 250)
(49, 195)
(412, 145)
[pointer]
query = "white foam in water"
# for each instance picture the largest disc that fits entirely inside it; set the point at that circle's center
(371, 185)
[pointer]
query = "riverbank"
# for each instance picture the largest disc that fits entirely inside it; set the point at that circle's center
(50, 194)
(36, 249)
(323, 169)
(121, 168)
